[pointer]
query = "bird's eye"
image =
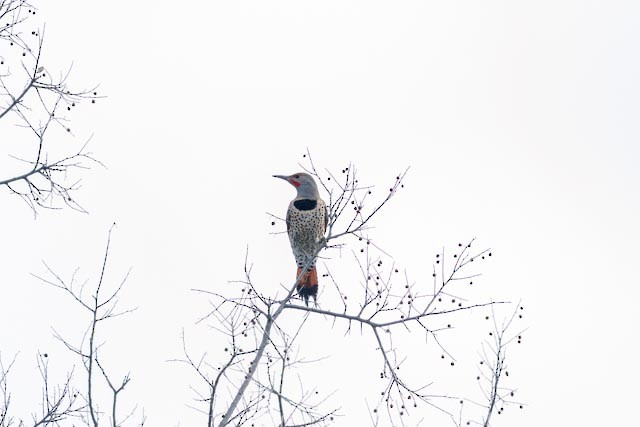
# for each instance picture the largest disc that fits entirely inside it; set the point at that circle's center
(297, 177)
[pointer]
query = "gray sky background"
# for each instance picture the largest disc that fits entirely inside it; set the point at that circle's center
(518, 120)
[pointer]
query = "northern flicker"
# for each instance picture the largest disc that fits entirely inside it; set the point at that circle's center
(306, 224)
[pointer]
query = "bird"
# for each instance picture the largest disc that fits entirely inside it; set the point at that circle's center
(306, 224)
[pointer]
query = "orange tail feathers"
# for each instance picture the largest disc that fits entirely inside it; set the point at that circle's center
(308, 285)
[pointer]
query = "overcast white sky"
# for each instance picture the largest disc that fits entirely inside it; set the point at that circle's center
(519, 121)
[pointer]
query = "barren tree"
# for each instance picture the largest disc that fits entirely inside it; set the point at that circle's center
(100, 305)
(252, 383)
(59, 401)
(36, 104)
(91, 397)
(255, 381)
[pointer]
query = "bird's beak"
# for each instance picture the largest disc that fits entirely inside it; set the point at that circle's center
(285, 177)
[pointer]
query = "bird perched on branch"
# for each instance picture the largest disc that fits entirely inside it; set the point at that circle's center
(306, 224)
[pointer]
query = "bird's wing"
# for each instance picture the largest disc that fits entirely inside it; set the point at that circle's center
(326, 216)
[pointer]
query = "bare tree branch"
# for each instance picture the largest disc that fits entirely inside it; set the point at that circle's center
(100, 308)
(38, 103)
(387, 301)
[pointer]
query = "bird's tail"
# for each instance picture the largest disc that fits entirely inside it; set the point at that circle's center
(308, 285)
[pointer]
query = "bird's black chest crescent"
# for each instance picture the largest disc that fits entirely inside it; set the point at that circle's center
(305, 204)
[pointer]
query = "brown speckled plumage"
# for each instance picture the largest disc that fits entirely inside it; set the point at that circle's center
(306, 224)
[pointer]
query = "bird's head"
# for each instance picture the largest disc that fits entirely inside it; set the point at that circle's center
(304, 184)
